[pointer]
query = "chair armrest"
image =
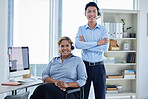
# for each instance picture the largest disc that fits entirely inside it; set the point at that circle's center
(73, 90)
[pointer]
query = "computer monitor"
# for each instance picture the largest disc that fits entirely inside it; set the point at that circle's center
(18, 61)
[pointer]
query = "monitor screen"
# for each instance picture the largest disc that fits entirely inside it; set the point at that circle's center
(18, 61)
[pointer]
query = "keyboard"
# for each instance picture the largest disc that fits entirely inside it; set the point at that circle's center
(25, 80)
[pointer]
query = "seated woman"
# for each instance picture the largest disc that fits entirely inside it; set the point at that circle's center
(63, 72)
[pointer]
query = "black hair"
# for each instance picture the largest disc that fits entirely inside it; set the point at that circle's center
(94, 5)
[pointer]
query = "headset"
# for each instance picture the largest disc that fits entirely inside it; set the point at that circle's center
(99, 13)
(72, 46)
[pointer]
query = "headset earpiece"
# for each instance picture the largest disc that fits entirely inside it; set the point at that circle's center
(72, 47)
(99, 13)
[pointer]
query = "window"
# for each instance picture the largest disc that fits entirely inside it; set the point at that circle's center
(30, 27)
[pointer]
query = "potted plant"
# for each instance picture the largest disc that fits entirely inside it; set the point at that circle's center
(123, 28)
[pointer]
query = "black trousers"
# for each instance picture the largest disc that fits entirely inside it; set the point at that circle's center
(50, 91)
(97, 74)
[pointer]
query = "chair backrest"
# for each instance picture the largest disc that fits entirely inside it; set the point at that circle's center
(19, 96)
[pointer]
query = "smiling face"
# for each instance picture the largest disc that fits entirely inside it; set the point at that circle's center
(91, 14)
(65, 48)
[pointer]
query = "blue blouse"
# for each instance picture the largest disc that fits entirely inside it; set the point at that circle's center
(71, 69)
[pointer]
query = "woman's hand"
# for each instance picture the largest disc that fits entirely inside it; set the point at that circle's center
(62, 85)
(55, 82)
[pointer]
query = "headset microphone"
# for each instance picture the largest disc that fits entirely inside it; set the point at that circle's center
(98, 17)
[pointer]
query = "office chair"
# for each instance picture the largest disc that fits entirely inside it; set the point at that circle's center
(19, 96)
(80, 90)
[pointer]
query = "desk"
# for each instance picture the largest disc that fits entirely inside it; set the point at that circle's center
(4, 89)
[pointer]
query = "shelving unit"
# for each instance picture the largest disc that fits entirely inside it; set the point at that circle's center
(122, 94)
(122, 51)
(131, 19)
(120, 79)
(121, 64)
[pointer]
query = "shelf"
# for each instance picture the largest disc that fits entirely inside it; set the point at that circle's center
(121, 51)
(122, 94)
(123, 38)
(115, 64)
(114, 11)
(119, 79)
(131, 20)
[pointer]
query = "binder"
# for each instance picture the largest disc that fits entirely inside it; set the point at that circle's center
(11, 83)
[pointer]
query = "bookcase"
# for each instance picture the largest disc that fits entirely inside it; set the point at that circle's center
(120, 56)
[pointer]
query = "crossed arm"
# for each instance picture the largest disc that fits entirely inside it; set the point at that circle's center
(101, 42)
(95, 47)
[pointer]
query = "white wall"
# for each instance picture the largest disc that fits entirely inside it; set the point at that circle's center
(3, 40)
(143, 52)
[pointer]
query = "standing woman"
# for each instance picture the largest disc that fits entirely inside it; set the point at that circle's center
(63, 72)
(92, 38)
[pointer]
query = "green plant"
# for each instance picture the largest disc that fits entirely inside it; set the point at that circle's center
(123, 27)
(128, 28)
